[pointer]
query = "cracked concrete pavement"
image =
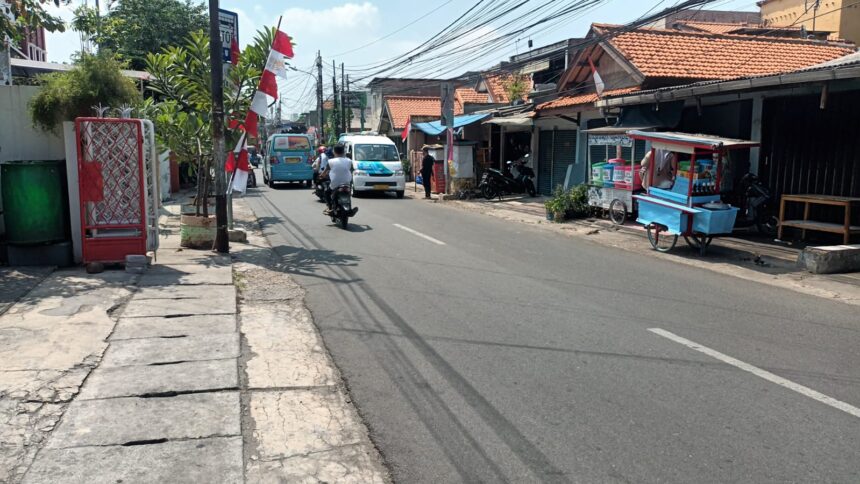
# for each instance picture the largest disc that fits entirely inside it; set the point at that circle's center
(165, 377)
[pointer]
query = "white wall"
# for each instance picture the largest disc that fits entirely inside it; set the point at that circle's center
(19, 140)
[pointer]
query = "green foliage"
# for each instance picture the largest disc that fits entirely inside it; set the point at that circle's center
(135, 28)
(29, 14)
(95, 79)
(572, 203)
(516, 87)
(181, 107)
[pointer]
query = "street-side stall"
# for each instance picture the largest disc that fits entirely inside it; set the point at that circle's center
(684, 179)
(614, 172)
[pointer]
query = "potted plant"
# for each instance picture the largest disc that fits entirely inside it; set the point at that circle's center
(558, 205)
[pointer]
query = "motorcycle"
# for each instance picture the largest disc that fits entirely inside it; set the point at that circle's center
(756, 206)
(494, 183)
(320, 187)
(342, 208)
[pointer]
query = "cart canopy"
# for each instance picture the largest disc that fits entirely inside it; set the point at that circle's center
(687, 143)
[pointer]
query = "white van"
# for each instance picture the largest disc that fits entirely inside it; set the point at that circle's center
(376, 164)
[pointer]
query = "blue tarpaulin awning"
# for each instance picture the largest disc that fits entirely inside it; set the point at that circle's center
(435, 128)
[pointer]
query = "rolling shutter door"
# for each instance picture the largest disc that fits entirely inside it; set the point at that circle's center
(564, 155)
(545, 162)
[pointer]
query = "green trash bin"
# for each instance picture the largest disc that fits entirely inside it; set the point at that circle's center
(34, 201)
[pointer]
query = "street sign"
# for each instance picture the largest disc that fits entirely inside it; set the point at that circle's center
(229, 26)
(447, 97)
(354, 99)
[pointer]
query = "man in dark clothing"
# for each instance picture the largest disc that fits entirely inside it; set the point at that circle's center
(427, 170)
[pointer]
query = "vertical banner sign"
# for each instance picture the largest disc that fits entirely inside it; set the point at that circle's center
(229, 22)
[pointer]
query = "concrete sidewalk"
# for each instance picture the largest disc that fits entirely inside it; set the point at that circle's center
(174, 376)
(746, 258)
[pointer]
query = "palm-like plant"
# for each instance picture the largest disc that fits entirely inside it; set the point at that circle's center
(182, 104)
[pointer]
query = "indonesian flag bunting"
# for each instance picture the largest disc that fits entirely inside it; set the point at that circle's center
(276, 64)
(283, 44)
(260, 103)
(268, 84)
(251, 124)
(598, 82)
(234, 52)
(406, 130)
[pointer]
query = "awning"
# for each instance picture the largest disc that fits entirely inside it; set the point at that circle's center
(435, 128)
(519, 120)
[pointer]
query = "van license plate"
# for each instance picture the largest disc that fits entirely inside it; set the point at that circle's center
(380, 187)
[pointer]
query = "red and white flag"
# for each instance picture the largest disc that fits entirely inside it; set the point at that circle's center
(282, 47)
(598, 81)
(405, 133)
(237, 163)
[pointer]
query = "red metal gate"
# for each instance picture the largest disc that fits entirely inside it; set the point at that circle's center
(111, 181)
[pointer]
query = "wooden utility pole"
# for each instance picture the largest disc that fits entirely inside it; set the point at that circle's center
(222, 242)
(320, 110)
(343, 120)
(336, 111)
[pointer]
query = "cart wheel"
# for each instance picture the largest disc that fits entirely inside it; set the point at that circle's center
(660, 240)
(618, 212)
(700, 242)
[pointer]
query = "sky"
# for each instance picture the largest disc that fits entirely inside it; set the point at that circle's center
(335, 27)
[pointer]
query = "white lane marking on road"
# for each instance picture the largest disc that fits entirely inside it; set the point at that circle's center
(419, 234)
(805, 391)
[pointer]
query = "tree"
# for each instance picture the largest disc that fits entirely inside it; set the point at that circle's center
(29, 14)
(516, 87)
(95, 80)
(182, 103)
(135, 28)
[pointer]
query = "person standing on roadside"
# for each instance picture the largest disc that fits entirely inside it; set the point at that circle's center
(427, 170)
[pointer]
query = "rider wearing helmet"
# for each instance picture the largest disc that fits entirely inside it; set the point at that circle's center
(339, 171)
(320, 163)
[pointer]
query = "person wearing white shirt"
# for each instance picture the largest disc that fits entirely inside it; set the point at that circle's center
(339, 171)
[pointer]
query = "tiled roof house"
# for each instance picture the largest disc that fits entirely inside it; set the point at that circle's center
(649, 58)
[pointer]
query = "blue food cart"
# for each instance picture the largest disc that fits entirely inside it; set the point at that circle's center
(684, 200)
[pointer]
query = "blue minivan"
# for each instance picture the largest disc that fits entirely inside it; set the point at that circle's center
(288, 159)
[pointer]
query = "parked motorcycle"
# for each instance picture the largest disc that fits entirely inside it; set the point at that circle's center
(494, 183)
(342, 208)
(757, 207)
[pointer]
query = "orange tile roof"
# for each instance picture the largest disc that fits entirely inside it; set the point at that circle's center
(469, 95)
(672, 54)
(582, 99)
(716, 27)
(401, 108)
(496, 86)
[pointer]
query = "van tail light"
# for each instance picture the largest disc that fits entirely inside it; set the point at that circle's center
(273, 160)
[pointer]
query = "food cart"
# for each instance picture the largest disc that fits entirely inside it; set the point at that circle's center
(686, 202)
(613, 171)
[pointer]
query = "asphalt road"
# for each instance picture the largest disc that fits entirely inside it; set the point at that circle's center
(497, 352)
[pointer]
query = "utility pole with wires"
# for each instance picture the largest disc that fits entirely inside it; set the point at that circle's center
(222, 242)
(320, 110)
(335, 125)
(348, 107)
(343, 121)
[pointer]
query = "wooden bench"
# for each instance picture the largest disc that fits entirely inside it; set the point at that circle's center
(846, 229)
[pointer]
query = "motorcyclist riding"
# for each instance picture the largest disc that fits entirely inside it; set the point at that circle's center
(320, 163)
(339, 172)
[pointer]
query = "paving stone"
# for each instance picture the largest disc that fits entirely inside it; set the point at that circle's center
(163, 275)
(138, 308)
(191, 256)
(347, 464)
(127, 328)
(117, 421)
(148, 351)
(296, 422)
(191, 461)
(193, 376)
(206, 292)
(285, 349)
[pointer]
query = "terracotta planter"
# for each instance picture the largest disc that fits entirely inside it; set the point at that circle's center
(196, 232)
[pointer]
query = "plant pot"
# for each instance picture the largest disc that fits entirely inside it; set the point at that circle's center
(196, 232)
(549, 215)
(558, 217)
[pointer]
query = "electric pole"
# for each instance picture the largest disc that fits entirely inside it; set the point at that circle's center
(336, 111)
(343, 121)
(222, 242)
(320, 110)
